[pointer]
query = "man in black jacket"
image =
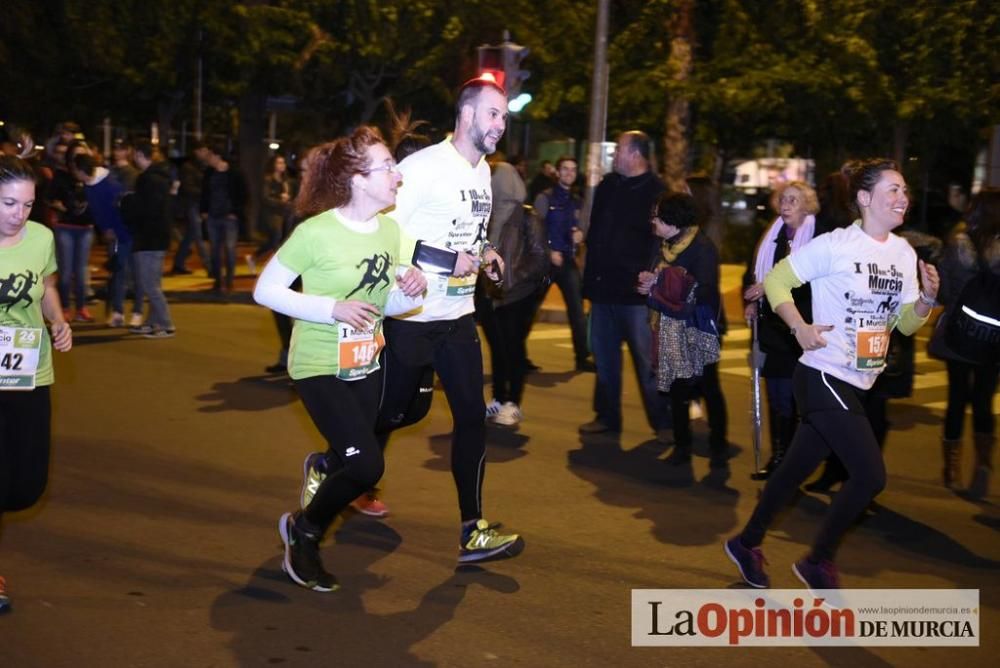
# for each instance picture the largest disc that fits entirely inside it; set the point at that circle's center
(620, 244)
(223, 198)
(147, 215)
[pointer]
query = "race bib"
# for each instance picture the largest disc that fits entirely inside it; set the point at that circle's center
(359, 350)
(872, 346)
(461, 286)
(19, 349)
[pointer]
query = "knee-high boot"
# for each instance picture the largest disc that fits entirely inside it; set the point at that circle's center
(980, 485)
(782, 431)
(951, 454)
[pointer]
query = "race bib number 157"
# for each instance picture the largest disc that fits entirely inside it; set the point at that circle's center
(872, 347)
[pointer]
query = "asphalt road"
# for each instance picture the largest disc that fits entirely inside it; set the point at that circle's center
(156, 544)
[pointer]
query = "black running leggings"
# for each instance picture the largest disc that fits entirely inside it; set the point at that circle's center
(344, 412)
(833, 420)
(452, 347)
(25, 441)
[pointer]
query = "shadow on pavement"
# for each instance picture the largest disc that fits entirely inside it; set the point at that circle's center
(273, 621)
(90, 334)
(502, 446)
(251, 393)
(684, 509)
(937, 552)
(164, 489)
(550, 378)
(904, 418)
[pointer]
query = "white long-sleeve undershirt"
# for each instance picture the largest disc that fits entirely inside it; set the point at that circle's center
(273, 291)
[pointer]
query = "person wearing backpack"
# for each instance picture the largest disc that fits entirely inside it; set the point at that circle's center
(970, 274)
(506, 317)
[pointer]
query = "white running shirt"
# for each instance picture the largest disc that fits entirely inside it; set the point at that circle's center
(859, 285)
(446, 202)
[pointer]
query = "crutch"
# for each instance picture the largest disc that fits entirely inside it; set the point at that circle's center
(756, 361)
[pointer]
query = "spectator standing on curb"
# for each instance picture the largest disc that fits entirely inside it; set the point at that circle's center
(147, 214)
(191, 175)
(223, 202)
(559, 209)
(620, 245)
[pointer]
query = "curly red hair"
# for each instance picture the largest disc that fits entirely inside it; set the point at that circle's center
(327, 183)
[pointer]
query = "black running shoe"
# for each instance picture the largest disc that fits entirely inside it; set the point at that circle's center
(302, 562)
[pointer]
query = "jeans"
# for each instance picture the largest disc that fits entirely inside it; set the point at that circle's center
(138, 290)
(73, 254)
(118, 280)
(567, 277)
(273, 229)
(148, 282)
(780, 396)
(610, 325)
(192, 236)
(223, 231)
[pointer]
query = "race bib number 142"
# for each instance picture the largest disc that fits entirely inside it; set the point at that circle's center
(19, 348)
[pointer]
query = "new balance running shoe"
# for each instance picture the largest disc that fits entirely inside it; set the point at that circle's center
(313, 474)
(302, 562)
(482, 542)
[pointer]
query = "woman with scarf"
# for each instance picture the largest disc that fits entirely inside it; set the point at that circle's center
(688, 324)
(795, 226)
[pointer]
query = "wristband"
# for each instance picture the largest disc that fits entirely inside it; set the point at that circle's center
(926, 301)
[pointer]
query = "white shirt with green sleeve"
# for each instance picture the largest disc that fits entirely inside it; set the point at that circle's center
(861, 286)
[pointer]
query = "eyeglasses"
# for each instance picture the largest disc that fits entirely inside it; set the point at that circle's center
(387, 166)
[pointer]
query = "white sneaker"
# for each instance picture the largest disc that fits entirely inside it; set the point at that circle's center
(509, 415)
(251, 264)
(135, 320)
(492, 409)
(116, 320)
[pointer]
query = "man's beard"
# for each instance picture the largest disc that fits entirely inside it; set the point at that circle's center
(479, 141)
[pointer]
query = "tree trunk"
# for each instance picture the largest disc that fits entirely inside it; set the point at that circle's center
(253, 127)
(899, 135)
(675, 163)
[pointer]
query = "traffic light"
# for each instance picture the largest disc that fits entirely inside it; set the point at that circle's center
(491, 62)
(504, 63)
(514, 76)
